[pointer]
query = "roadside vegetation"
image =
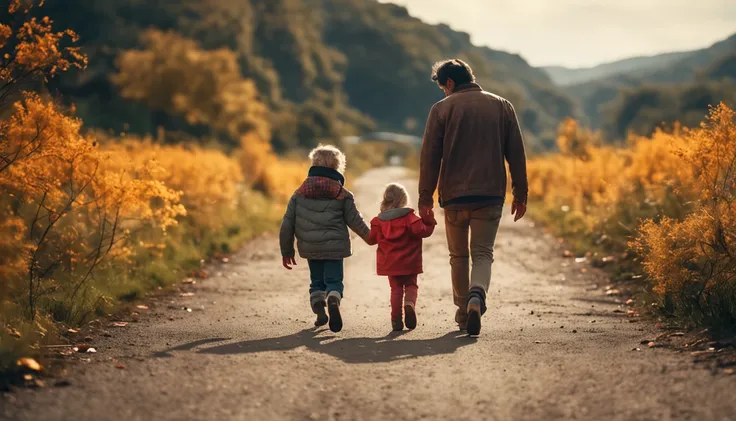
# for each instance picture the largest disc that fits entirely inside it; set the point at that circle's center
(658, 210)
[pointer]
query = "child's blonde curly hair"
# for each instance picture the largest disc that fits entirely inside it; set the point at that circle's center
(328, 156)
(395, 196)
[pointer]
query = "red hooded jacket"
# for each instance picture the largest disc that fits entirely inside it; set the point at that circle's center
(398, 233)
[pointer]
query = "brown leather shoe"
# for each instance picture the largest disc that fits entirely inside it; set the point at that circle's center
(461, 318)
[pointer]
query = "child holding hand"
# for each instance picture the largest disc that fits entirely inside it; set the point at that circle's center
(318, 216)
(398, 231)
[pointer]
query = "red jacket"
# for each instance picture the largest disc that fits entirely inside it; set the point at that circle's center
(399, 233)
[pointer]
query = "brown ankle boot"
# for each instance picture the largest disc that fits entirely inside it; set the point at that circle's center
(461, 318)
(397, 325)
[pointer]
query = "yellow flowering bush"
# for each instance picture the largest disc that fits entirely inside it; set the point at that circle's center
(668, 197)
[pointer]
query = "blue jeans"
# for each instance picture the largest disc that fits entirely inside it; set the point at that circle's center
(326, 276)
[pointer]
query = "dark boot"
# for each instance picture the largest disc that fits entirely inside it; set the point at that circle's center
(475, 309)
(410, 316)
(333, 308)
(319, 310)
(397, 325)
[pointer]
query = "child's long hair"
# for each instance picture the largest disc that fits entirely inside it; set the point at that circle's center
(395, 196)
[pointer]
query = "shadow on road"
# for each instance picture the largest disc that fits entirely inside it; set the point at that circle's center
(350, 350)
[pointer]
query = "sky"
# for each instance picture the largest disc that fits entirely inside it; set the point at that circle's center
(583, 33)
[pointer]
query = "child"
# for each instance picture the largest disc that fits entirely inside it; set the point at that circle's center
(319, 214)
(398, 231)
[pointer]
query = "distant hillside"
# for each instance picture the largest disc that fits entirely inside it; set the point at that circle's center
(648, 96)
(325, 68)
(564, 76)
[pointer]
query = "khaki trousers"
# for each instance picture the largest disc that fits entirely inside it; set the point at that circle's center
(480, 227)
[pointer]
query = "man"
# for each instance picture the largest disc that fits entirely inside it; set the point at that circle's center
(468, 136)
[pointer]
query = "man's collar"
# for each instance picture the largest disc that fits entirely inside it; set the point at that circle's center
(467, 87)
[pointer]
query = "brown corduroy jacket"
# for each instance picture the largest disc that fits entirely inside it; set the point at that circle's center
(468, 137)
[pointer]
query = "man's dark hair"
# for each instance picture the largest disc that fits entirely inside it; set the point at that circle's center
(454, 69)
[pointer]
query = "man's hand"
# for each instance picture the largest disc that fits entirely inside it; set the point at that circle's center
(427, 215)
(518, 210)
(288, 262)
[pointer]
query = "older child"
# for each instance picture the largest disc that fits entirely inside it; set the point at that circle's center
(398, 231)
(319, 214)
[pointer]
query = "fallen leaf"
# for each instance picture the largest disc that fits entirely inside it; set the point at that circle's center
(91, 351)
(141, 307)
(567, 253)
(636, 349)
(27, 377)
(651, 344)
(29, 363)
(186, 294)
(613, 292)
(630, 301)
(728, 371)
(119, 366)
(188, 281)
(13, 332)
(120, 324)
(225, 260)
(72, 330)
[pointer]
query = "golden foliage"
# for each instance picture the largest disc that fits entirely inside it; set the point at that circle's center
(692, 261)
(175, 75)
(207, 179)
(673, 193)
(33, 50)
(67, 205)
(266, 171)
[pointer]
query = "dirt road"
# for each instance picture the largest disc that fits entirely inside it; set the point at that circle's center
(551, 348)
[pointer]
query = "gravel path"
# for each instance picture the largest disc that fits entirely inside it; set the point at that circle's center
(551, 348)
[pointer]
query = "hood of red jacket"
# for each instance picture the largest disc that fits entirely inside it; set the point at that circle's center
(395, 222)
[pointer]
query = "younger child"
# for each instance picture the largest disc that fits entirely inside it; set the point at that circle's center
(319, 214)
(398, 231)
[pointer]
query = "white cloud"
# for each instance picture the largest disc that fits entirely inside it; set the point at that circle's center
(583, 32)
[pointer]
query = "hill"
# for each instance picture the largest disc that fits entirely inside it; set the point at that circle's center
(325, 68)
(648, 96)
(565, 76)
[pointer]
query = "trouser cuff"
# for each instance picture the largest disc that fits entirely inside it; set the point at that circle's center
(316, 298)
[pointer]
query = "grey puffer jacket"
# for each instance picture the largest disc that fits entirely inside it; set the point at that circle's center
(319, 214)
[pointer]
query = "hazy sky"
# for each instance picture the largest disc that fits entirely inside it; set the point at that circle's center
(583, 32)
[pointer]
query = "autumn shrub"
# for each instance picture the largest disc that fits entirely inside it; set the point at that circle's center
(670, 193)
(87, 220)
(175, 75)
(692, 260)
